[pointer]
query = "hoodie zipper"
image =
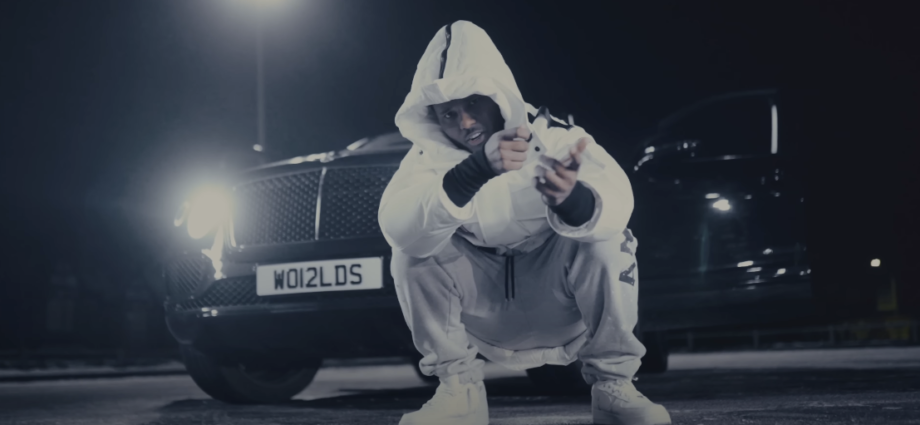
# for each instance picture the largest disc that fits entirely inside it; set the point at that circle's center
(444, 53)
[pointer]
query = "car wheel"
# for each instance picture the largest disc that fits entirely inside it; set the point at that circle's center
(554, 379)
(656, 354)
(239, 385)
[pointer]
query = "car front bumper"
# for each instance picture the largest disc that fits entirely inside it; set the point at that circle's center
(226, 319)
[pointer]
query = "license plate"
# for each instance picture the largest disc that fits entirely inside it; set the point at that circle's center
(319, 276)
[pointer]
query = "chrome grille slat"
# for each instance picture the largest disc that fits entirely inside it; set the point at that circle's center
(319, 201)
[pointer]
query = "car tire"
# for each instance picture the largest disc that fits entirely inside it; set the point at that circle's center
(554, 379)
(236, 385)
(656, 354)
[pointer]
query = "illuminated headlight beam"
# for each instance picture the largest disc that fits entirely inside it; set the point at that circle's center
(209, 207)
(215, 254)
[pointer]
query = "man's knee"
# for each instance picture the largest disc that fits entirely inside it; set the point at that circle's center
(401, 262)
(604, 253)
(402, 265)
(406, 268)
(617, 256)
(598, 252)
(610, 249)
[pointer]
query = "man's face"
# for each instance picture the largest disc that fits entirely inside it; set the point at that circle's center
(470, 121)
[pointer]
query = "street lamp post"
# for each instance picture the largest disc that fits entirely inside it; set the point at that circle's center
(260, 11)
(260, 89)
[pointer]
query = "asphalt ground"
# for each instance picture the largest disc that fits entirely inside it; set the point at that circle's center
(834, 386)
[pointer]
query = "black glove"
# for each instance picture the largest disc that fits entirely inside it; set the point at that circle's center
(467, 177)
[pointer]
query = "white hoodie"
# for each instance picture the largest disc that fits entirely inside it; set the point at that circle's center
(507, 213)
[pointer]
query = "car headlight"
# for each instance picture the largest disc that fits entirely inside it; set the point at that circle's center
(181, 214)
(207, 208)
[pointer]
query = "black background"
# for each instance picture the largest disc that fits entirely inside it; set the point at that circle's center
(112, 110)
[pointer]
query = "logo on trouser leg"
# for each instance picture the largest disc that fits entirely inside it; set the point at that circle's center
(628, 238)
(626, 276)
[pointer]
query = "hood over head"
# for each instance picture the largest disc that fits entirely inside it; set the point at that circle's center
(460, 61)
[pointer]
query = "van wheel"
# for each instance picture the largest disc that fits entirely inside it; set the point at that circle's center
(241, 385)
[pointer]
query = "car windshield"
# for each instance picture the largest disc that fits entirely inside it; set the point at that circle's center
(732, 124)
(390, 141)
(739, 126)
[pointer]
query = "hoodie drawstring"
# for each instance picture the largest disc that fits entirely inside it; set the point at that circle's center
(509, 277)
(509, 271)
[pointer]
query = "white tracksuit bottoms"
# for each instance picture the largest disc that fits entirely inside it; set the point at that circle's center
(561, 291)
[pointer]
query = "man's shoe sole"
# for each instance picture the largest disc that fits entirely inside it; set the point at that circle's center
(654, 415)
(480, 417)
(469, 420)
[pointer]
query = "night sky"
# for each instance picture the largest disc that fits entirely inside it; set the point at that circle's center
(111, 110)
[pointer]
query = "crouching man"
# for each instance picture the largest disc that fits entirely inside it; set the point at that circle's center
(509, 239)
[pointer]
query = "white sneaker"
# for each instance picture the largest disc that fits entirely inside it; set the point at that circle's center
(618, 402)
(453, 404)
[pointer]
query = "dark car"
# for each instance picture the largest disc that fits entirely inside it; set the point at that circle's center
(286, 265)
(720, 214)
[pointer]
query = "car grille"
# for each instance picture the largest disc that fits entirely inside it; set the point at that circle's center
(231, 292)
(350, 200)
(282, 210)
(278, 210)
(185, 274)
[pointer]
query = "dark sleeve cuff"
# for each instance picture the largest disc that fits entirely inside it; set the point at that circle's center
(465, 179)
(578, 208)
